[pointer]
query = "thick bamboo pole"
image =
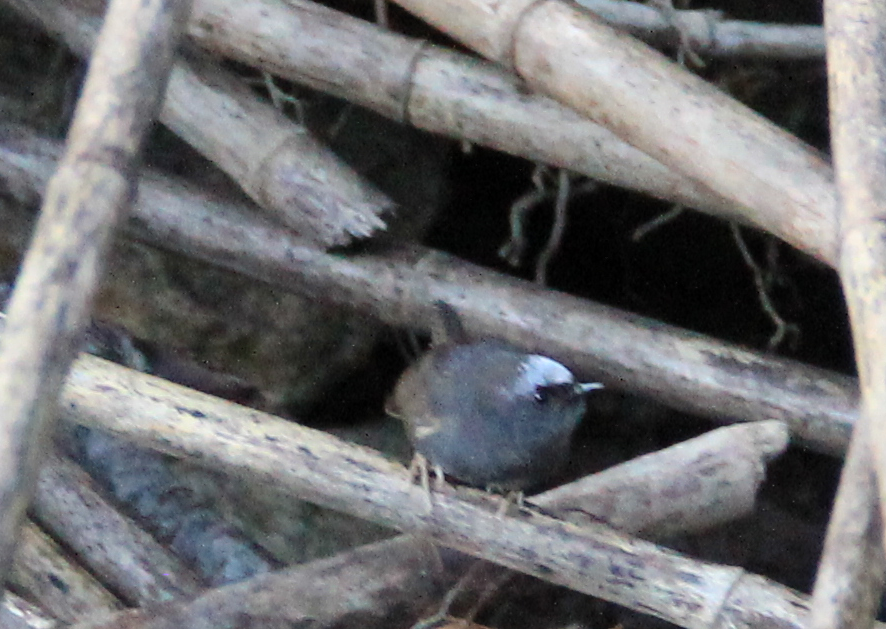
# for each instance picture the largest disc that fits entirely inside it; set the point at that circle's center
(92, 189)
(852, 569)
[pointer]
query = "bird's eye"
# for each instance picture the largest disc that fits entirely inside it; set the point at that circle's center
(542, 395)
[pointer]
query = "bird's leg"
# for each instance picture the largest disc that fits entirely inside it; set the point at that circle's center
(439, 478)
(419, 468)
(518, 498)
(508, 498)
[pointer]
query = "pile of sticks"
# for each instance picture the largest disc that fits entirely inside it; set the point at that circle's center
(603, 104)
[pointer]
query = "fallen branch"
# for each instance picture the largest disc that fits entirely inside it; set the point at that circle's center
(127, 559)
(45, 574)
(682, 369)
(708, 33)
(283, 168)
(356, 587)
(91, 190)
(317, 467)
(852, 570)
(651, 103)
(689, 487)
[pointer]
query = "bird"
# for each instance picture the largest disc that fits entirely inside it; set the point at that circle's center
(487, 413)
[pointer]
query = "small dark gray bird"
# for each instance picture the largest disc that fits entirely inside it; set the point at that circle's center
(488, 413)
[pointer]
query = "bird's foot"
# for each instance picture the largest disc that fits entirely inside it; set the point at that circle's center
(508, 499)
(420, 469)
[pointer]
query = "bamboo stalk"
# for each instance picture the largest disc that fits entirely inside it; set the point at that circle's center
(852, 570)
(320, 468)
(91, 190)
(453, 94)
(689, 487)
(278, 163)
(366, 64)
(440, 91)
(432, 88)
(707, 33)
(651, 103)
(17, 613)
(45, 574)
(353, 588)
(399, 284)
(126, 558)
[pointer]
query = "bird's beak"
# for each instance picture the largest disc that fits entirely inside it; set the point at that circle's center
(583, 388)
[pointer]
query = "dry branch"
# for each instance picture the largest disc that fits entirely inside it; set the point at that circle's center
(435, 89)
(92, 188)
(399, 284)
(17, 613)
(320, 468)
(852, 570)
(356, 587)
(653, 104)
(849, 582)
(707, 33)
(456, 95)
(688, 487)
(452, 94)
(295, 593)
(126, 558)
(731, 458)
(43, 573)
(277, 162)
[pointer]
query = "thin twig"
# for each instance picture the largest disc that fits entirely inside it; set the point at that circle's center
(381, 13)
(514, 249)
(685, 45)
(659, 221)
(279, 98)
(782, 327)
(557, 231)
(449, 599)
